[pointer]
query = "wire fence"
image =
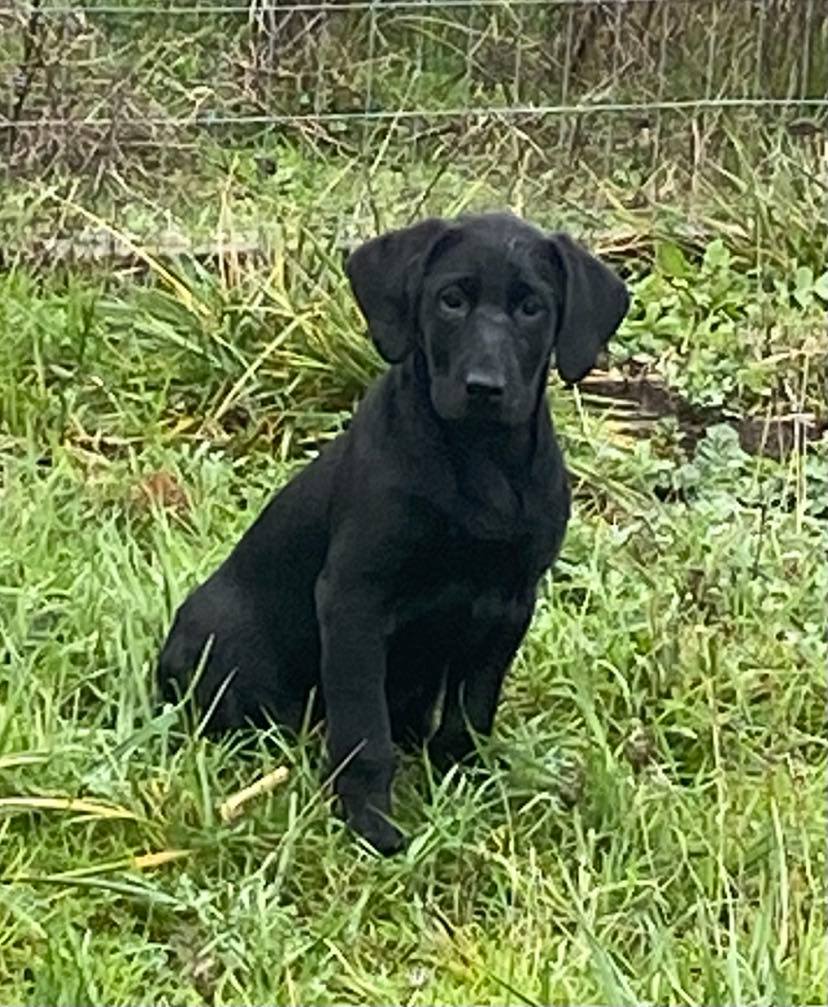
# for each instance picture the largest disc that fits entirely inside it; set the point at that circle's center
(87, 88)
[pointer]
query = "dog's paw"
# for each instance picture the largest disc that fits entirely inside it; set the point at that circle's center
(376, 830)
(445, 751)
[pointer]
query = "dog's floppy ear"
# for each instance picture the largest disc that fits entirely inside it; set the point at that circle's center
(595, 301)
(385, 275)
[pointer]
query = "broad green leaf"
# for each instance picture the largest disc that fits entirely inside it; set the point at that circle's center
(670, 259)
(716, 255)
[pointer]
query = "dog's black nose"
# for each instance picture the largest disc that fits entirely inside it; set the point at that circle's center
(484, 386)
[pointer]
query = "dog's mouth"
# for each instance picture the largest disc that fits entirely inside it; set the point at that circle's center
(484, 408)
(486, 415)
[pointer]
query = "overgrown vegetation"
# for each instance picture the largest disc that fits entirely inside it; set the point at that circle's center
(650, 823)
(88, 91)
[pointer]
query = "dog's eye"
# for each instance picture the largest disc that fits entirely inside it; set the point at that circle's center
(453, 300)
(530, 307)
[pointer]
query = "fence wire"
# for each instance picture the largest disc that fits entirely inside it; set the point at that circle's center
(87, 86)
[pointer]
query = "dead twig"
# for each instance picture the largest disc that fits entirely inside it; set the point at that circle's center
(232, 807)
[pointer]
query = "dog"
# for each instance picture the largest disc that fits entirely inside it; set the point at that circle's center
(396, 575)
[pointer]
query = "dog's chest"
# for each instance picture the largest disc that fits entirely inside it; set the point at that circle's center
(455, 575)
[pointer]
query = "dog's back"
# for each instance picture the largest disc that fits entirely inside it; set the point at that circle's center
(255, 615)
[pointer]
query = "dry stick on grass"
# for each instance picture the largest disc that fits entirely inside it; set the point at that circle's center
(232, 807)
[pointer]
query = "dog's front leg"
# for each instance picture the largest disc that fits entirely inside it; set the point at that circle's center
(353, 641)
(474, 682)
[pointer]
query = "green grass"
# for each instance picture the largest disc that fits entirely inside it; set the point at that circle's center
(650, 823)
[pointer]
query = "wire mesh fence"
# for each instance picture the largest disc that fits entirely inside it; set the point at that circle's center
(91, 88)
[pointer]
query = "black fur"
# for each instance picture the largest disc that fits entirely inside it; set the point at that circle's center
(404, 560)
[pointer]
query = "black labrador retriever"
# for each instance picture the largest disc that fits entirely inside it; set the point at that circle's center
(401, 565)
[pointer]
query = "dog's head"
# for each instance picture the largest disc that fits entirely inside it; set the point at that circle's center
(487, 299)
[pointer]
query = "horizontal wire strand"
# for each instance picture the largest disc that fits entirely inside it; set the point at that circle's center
(254, 9)
(206, 119)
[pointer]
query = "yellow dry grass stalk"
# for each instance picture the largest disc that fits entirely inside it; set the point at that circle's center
(78, 805)
(232, 807)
